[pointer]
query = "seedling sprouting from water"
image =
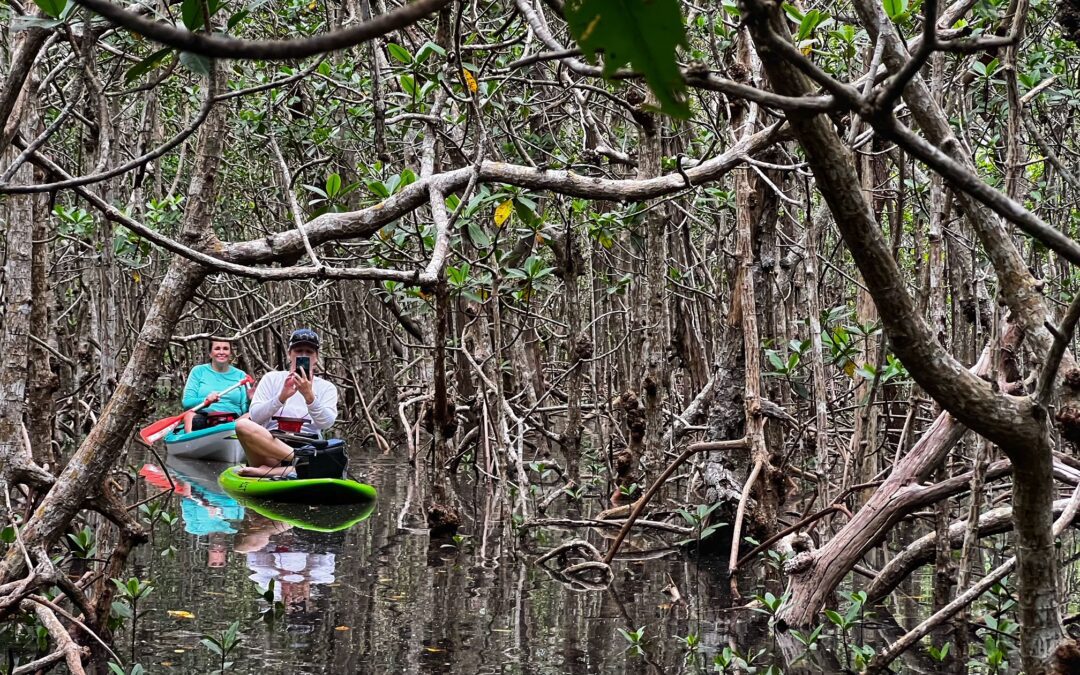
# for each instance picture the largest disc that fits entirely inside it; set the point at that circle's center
(131, 592)
(697, 520)
(848, 620)
(732, 660)
(770, 605)
(223, 644)
(276, 608)
(636, 638)
(117, 669)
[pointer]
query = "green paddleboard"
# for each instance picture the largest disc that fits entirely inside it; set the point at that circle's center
(297, 490)
(315, 518)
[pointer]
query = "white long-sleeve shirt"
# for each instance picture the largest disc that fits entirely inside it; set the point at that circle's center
(321, 414)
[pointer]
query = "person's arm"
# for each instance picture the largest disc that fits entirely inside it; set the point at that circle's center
(323, 410)
(265, 403)
(192, 397)
(244, 402)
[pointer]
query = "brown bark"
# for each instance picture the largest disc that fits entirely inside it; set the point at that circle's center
(85, 473)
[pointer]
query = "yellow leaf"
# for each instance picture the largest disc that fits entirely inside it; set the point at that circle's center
(180, 614)
(136, 277)
(849, 368)
(503, 212)
(313, 5)
(434, 650)
(469, 80)
(341, 628)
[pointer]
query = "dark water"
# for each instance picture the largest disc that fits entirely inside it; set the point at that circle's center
(379, 597)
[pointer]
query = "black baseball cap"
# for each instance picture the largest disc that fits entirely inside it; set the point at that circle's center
(304, 336)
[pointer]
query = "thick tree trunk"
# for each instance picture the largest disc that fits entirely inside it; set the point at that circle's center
(86, 473)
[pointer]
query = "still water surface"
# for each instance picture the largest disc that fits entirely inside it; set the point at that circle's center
(380, 598)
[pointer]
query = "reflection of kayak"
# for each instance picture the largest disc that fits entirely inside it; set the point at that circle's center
(217, 442)
(204, 507)
(315, 518)
(297, 490)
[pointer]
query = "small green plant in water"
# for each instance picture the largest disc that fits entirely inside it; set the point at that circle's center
(223, 644)
(636, 638)
(131, 592)
(731, 660)
(276, 608)
(770, 605)
(697, 520)
(117, 669)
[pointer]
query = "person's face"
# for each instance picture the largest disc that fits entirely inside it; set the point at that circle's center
(220, 352)
(302, 350)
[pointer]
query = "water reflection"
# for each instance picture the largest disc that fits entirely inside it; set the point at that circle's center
(375, 597)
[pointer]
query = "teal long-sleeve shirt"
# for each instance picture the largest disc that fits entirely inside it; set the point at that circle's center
(204, 380)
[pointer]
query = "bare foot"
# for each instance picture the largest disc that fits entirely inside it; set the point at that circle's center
(265, 471)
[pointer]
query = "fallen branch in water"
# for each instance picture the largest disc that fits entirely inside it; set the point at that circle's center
(589, 522)
(640, 504)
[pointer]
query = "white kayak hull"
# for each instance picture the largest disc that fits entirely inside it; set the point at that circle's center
(216, 443)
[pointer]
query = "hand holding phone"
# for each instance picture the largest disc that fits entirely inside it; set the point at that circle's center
(304, 363)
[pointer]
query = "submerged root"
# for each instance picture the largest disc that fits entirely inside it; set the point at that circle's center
(588, 575)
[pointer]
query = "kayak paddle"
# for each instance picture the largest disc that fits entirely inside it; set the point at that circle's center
(161, 428)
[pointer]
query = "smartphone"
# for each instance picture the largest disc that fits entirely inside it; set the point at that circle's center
(304, 363)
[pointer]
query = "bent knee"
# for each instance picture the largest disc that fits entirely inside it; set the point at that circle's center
(247, 428)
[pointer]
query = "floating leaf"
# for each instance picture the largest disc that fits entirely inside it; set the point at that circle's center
(643, 33)
(469, 80)
(342, 628)
(180, 614)
(503, 212)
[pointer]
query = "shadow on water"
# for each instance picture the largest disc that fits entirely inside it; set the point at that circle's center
(372, 597)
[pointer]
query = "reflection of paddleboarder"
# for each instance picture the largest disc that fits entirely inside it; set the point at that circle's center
(275, 552)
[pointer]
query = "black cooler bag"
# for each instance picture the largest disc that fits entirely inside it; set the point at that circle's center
(321, 459)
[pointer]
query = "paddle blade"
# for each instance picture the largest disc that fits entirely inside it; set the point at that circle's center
(159, 430)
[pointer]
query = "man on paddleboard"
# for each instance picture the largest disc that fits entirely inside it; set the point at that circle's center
(296, 393)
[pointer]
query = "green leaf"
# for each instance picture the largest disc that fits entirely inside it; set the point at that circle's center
(333, 185)
(51, 7)
(479, 238)
(146, 65)
(643, 33)
(427, 49)
(212, 645)
(896, 8)
(399, 53)
(191, 12)
(378, 188)
(196, 63)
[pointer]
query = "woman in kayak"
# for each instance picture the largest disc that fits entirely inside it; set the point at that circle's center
(294, 393)
(206, 380)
